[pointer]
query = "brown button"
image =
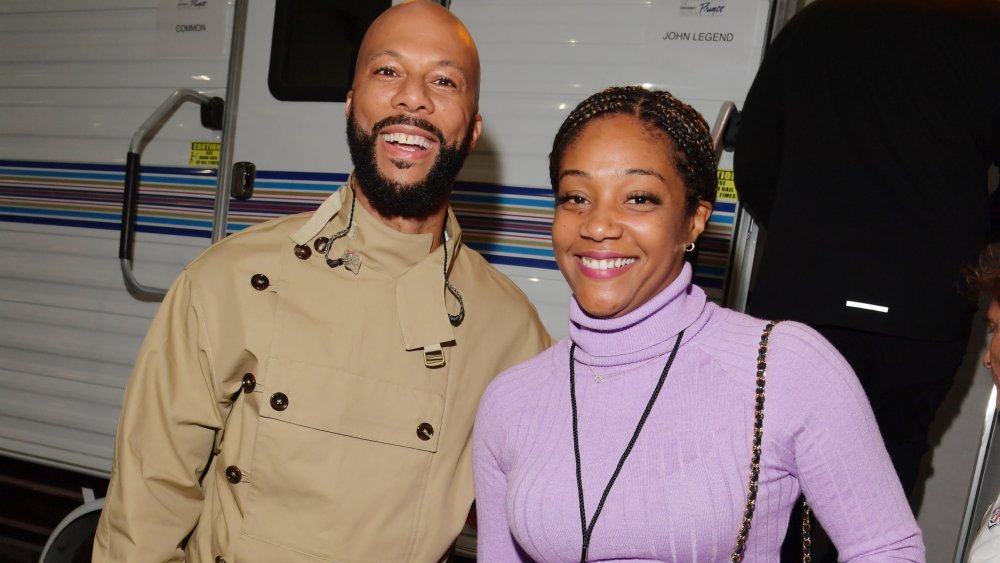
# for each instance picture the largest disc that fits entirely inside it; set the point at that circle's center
(249, 383)
(425, 431)
(220, 559)
(260, 282)
(279, 401)
(320, 244)
(302, 251)
(234, 474)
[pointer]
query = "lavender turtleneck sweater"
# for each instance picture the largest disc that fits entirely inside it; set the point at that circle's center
(681, 493)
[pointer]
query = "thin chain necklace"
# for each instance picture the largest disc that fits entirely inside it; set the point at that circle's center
(600, 378)
(588, 530)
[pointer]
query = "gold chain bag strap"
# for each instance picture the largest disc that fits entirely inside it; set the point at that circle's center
(758, 427)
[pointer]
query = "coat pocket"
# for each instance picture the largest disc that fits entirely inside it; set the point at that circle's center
(340, 462)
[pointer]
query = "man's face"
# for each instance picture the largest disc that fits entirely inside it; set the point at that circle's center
(394, 199)
(412, 112)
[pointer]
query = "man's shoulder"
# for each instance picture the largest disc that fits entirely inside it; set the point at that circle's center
(485, 280)
(257, 243)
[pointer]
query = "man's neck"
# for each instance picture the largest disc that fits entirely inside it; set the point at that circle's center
(432, 224)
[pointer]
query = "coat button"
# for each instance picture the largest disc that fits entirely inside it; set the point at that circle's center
(220, 559)
(260, 282)
(425, 431)
(279, 401)
(302, 251)
(320, 244)
(249, 383)
(234, 474)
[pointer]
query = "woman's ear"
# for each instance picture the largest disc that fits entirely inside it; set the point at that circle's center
(699, 219)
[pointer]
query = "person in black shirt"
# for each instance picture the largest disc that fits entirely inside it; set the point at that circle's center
(863, 152)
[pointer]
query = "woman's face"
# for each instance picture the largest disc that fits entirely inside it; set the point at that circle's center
(620, 223)
(992, 357)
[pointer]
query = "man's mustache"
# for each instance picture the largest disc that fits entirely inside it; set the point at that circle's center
(410, 121)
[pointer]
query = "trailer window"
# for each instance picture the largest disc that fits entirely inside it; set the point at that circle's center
(314, 46)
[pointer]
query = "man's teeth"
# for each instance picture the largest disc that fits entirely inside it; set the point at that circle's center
(605, 264)
(403, 139)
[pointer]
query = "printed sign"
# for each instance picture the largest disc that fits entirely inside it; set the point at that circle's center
(204, 153)
(713, 44)
(191, 28)
(727, 186)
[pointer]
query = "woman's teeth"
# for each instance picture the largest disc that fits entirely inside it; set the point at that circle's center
(605, 264)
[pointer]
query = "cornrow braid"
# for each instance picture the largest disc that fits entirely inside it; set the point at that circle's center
(660, 111)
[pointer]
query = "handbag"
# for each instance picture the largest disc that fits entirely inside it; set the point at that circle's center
(758, 425)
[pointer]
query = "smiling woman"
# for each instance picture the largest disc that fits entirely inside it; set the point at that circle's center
(675, 457)
(622, 218)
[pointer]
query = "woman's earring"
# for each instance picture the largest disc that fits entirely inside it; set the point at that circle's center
(689, 247)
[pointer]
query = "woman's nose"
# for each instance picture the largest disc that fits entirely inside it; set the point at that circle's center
(601, 224)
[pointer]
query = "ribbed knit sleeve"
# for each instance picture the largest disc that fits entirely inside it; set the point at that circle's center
(819, 427)
(497, 415)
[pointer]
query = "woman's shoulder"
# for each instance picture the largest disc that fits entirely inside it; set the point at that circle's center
(522, 394)
(733, 339)
(529, 377)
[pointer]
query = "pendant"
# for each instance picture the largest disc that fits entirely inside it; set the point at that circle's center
(352, 261)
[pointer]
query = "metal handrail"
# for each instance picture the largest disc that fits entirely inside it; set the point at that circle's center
(726, 119)
(130, 199)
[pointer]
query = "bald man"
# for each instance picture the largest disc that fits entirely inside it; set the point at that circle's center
(307, 389)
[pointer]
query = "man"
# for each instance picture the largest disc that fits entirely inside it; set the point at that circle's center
(307, 390)
(863, 151)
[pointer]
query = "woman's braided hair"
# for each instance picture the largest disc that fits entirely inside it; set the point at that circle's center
(661, 112)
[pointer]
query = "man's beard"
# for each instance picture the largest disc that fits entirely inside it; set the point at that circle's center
(394, 199)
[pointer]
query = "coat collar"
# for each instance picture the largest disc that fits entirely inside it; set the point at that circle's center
(418, 271)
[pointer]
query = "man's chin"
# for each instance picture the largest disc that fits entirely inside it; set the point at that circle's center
(403, 173)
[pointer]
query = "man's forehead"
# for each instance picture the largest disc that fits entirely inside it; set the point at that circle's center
(420, 26)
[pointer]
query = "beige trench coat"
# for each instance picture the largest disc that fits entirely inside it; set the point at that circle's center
(284, 411)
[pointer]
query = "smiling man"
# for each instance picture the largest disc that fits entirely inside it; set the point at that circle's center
(307, 389)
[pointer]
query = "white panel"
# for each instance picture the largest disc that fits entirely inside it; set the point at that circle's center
(69, 333)
(78, 78)
(84, 6)
(537, 68)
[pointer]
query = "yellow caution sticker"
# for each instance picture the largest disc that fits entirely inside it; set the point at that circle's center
(204, 153)
(726, 190)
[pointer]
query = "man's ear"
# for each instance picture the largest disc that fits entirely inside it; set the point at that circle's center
(347, 103)
(477, 129)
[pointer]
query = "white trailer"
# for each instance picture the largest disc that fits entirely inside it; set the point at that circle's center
(84, 82)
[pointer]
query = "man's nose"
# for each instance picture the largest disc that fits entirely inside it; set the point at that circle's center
(412, 96)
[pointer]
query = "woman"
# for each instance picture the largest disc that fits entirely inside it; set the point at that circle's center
(644, 415)
(985, 277)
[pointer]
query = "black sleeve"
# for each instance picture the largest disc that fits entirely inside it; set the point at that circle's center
(760, 140)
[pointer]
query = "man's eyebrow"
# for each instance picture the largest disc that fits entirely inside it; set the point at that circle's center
(443, 62)
(625, 172)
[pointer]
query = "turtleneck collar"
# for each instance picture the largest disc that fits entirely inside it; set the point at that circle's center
(422, 302)
(642, 334)
(382, 248)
